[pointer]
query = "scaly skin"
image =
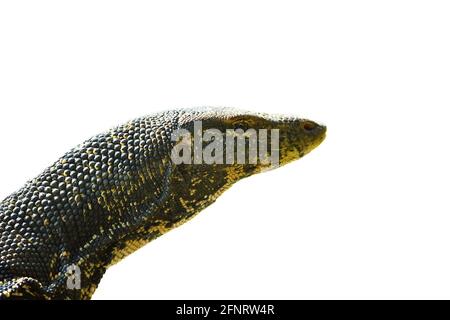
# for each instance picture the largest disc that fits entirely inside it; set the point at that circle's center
(118, 191)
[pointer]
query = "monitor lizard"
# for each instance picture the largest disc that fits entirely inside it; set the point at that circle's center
(119, 190)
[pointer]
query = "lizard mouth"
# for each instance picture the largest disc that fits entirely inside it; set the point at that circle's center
(300, 144)
(316, 133)
(321, 135)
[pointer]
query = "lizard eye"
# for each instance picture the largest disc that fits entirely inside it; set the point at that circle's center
(309, 125)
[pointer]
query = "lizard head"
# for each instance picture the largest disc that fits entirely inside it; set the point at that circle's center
(239, 138)
(216, 147)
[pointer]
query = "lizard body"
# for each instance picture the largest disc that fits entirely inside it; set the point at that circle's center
(118, 191)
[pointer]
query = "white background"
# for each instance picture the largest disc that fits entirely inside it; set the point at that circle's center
(366, 215)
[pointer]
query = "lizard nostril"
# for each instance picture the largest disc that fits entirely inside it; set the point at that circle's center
(309, 125)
